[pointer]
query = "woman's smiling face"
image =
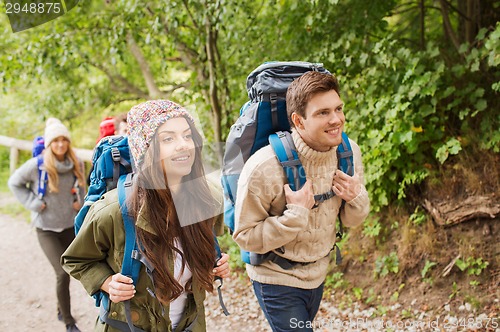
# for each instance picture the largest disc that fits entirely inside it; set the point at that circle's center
(177, 148)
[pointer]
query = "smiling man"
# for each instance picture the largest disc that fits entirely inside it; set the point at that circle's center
(272, 217)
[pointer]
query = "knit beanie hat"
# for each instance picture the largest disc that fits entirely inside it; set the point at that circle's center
(54, 129)
(143, 121)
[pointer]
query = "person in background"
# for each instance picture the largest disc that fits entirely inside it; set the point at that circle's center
(176, 211)
(272, 217)
(121, 126)
(53, 213)
(106, 128)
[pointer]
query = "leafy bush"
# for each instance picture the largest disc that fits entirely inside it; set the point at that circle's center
(385, 265)
(472, 265)
(411, 110)
(230, 247)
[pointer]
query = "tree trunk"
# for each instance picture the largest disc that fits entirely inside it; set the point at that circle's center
(448, 29)
(422, 24)
(213, 92)
(153, 90)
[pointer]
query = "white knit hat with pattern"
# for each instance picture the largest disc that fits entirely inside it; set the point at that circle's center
(54, 129)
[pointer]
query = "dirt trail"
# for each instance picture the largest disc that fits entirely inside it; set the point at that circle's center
(27, 284)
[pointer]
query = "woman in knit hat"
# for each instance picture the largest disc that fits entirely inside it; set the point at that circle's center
(52, 186)
(176, 211)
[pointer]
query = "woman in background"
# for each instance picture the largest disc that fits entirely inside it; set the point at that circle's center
(53, 209)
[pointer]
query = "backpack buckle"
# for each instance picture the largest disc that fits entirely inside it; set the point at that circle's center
(115, 154)
(320, 198)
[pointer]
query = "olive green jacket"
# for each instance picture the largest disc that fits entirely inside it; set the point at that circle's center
(97, 252)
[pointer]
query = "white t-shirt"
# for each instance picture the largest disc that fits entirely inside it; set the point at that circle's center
(177, 306)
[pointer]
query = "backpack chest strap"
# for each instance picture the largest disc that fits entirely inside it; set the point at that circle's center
(320, 198)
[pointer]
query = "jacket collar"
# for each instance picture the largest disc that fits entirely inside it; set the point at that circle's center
(142, 219)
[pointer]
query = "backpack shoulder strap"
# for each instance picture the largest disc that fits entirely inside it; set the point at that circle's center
(42, 177)
(345, 156)
(285, 150)
(130, 265)
(346, 164)
(128, 268)
(218, 255)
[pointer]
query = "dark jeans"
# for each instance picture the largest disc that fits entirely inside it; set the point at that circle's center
(288, 308)
(53, 245)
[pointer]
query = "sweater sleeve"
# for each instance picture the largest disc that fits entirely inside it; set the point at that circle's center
(23, 184)
(356, 210)
(256, 228)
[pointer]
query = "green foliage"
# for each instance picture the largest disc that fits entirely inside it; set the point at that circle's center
(418, 217)
(407, 313)
(452, 147)
(473, 266)
(395, 295)
(372, 227)
(427, 267)
(402, 104)
(454, 291)
(474, 283)
(371, 296)
(358, 293)
(387, 264)
(230, 247)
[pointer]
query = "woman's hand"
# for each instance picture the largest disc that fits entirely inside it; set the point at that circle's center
(119, 287)
(222, 269)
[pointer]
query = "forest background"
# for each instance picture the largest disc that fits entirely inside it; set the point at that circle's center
(421, 83)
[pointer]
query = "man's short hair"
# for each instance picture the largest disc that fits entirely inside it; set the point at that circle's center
(304, 88)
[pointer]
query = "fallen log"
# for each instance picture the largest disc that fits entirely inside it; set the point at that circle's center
(452, 212)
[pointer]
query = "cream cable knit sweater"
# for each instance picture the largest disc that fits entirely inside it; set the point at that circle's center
(265, 222)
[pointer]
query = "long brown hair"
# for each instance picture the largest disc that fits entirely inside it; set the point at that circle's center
(150, 189)
(49, 161)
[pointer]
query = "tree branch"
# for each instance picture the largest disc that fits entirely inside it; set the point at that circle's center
(450, 5)
(136, 51)
(186, 54)
(175, 87)
(447, 24)
(186, 6)
(126, 86)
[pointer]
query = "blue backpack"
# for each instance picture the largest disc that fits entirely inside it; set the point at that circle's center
(110, 160)
(43, 178)
(36, 152)
(263, 120)
(112, 168)
(38, 146)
